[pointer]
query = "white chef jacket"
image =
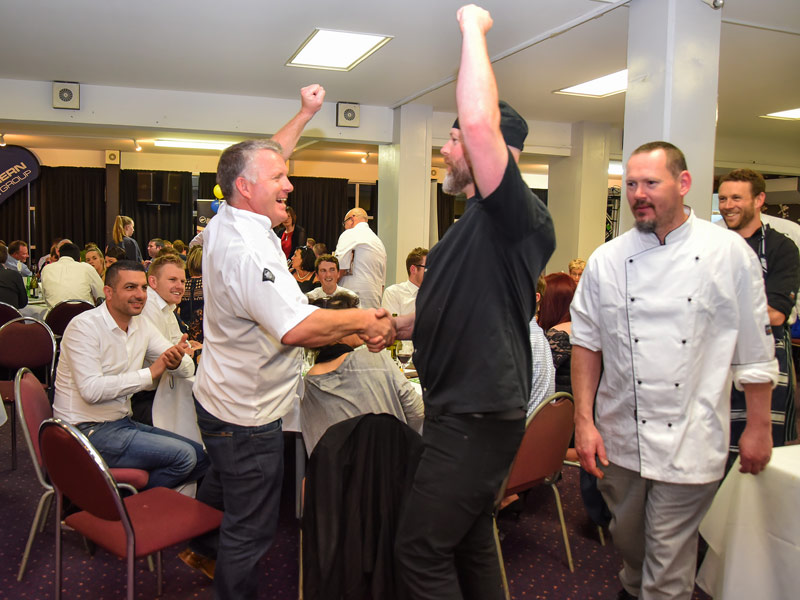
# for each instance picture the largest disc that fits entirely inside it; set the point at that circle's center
(101, 366)
(66, 279)
(247, 377)
(400, 298)
(673, 322)
(363, 253)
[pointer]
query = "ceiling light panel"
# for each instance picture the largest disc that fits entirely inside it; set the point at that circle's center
(608, 85)
(791, 115)
(193, 144)
(336, 50)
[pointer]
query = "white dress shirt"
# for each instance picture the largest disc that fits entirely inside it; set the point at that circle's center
(673, 322)
(101, 366)
(318, 293)
(247, 376)
(66, 279)
(361, 252)
(400, 298)
(162, 315)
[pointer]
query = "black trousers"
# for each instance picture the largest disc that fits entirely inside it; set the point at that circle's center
(445, 544)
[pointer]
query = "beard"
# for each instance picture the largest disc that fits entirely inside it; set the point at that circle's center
(458, 177)
(648, 226)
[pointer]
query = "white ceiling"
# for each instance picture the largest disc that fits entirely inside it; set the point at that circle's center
(240, 47)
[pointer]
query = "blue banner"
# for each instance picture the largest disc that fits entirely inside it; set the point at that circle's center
(18, 167)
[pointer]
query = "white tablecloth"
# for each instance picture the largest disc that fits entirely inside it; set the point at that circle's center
(753, 533)
(35, 308)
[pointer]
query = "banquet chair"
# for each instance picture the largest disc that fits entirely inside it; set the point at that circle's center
(539, 460)
(8, 312)
(24, 342)
(133, 527)
(33, 408)
(58, 317)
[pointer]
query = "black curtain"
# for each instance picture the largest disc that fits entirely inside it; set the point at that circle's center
(445, 210)
(167, 214)
(320, 204)
(205, 185)
(70, 203)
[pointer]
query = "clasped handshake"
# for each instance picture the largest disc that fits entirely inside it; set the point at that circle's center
(379, 330)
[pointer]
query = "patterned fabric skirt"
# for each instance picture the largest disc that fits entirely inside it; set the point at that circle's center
(784, 426)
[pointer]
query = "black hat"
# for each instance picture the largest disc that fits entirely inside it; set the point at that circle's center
(512, 125)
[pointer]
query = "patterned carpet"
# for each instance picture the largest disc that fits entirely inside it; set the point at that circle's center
(532, 545)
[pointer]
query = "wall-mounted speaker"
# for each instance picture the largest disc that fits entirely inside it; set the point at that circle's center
(348, 114)
(112, 157)
(66, 94)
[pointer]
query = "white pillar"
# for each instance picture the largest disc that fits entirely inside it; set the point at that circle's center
(577, 194)
(404, 190)
(673, 69)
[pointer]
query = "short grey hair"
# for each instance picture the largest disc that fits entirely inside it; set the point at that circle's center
(237, 161)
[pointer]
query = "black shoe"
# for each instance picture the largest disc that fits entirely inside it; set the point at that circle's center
(624, 595)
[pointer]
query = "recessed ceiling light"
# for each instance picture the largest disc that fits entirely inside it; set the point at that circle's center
(193, 144)
(786, 115)
(336, 50)
(608, 85)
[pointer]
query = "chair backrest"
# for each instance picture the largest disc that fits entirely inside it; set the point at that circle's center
(8, 312)
(79, 472)
(544, 445)
(58, 317)
(27, 342)
(33, 408)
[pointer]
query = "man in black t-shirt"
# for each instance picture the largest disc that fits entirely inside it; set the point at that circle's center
(472, 348)
(741, 196)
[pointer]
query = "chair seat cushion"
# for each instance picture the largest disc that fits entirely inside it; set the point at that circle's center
(160, 516)
(135, 477)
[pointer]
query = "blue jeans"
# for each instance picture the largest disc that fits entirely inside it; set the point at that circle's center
(244, 481)
(171, 459)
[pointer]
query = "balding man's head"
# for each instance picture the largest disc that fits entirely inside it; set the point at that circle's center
(353, 217)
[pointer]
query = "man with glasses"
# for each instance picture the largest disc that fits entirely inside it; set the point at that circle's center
(400, 298)
(362, 259)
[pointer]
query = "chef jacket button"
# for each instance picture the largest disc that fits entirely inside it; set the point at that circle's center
(630, 260)
(677, 384)
(636, 340)
(633, 299)
(690, 299)
(644, 421)
(683, 341)
(669, 424)
(639, 382)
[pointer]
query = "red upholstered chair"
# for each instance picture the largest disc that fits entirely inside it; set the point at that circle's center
(137, 526)
(33, 407)
(539, 460)
(58, 317)
(8, 312)
(24, 342)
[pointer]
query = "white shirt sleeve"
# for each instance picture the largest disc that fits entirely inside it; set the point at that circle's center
(80, 347)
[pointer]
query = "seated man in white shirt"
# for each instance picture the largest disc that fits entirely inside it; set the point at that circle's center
(70, 279)
(102, 353)
(401, 298)
(166, 280)
(327, 267)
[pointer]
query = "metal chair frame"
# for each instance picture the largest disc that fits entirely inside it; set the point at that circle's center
(49, 378)
(74, 304)
(45, 500)
(551, 403)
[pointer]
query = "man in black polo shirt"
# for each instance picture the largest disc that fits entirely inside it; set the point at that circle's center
(741, 196)
(471, 342)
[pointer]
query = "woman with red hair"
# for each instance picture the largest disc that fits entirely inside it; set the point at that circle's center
(555, 320)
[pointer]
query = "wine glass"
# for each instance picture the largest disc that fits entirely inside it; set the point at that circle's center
(404, 351)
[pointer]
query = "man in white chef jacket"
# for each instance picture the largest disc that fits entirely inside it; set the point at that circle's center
(672, 309)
